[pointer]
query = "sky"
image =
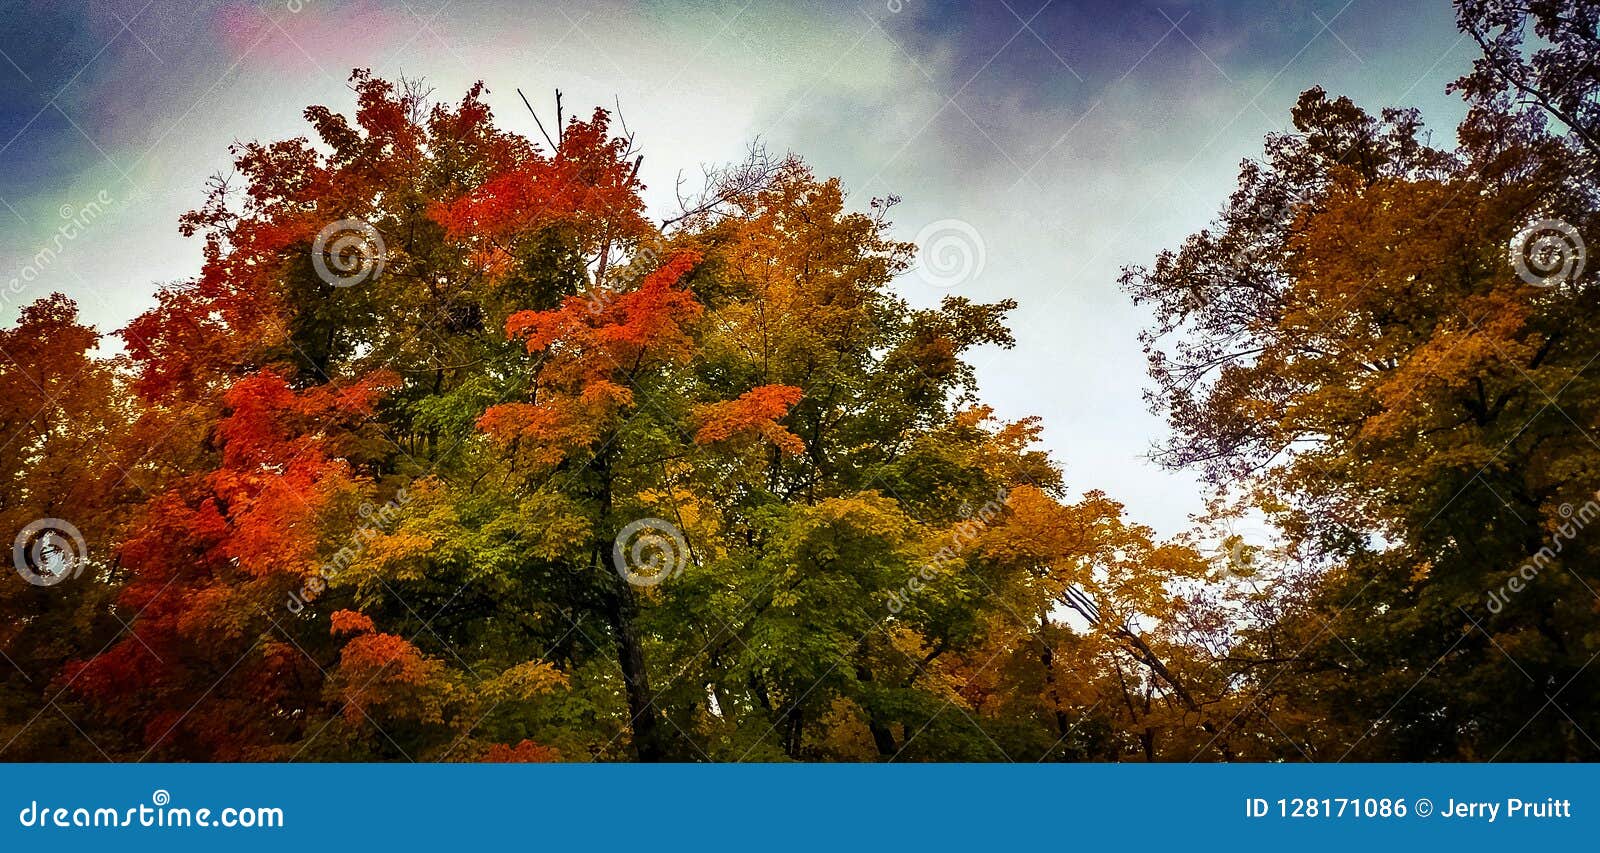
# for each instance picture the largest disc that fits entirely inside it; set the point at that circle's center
(1038, 147)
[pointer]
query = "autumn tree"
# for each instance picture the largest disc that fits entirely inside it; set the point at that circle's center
(448, 452)
(1538, 55)
(68, 433)
(1352, 349)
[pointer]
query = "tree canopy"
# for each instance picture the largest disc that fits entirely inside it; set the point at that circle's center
(450, 451)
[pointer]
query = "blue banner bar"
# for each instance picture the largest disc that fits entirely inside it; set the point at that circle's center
(794, 807)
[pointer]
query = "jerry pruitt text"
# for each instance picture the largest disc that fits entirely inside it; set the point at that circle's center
(1488, 811)
(1513, 808)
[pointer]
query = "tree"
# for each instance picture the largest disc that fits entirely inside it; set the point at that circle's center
(447, 452)
(67, 431)
(1351, 349)
(1559, 78)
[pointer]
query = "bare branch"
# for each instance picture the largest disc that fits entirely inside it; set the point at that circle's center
(729, 184)
(535, 114)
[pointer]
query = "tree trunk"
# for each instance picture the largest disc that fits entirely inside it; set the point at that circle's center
(621, 607)
(1047, 660)
(635, 677)
(882, 738)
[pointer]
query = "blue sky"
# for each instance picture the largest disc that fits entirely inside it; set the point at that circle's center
(1070, 137)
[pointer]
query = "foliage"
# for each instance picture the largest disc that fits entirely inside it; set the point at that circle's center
(391, 520)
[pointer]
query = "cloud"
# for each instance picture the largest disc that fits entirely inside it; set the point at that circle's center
(1092, 138)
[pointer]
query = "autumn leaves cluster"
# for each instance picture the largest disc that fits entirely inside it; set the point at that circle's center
(536, 367)
(433, 464)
